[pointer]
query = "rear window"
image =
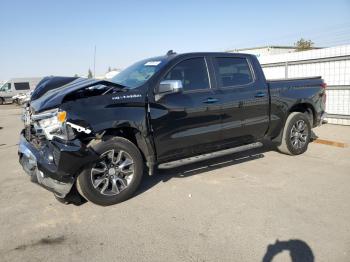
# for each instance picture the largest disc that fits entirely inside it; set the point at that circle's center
(232, 71)
(22, 86)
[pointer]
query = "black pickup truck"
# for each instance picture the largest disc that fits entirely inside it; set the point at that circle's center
(99, 137)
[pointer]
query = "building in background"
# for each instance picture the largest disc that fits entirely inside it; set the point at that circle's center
(267, 50)
(332, 64)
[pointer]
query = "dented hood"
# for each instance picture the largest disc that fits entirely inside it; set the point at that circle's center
(52, 90)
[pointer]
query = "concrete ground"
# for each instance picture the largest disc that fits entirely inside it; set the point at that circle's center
(255, 206)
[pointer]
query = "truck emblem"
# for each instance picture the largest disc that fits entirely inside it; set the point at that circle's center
(126, 96)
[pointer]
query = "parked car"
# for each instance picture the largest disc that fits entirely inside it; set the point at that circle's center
(16, 87)
(20, 99)
(102, 136)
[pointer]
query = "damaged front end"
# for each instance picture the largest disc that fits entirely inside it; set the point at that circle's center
(50, 152)
(61, 124)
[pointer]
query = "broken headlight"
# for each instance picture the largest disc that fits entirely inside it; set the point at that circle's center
(52, 123)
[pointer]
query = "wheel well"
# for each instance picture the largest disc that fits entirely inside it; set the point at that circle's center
(132, 134)
(126, 132)
(305, 108)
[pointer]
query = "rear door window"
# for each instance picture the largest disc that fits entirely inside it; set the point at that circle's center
(22, 86)
(192, 73)
(232, 71)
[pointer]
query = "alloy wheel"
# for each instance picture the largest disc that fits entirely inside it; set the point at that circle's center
(299, 134)
(113, 172)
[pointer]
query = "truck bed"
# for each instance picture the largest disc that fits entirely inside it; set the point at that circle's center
(295, 82)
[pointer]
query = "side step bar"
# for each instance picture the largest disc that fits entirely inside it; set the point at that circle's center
(198, 158)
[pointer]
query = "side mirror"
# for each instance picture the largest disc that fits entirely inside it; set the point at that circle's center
(170, 86)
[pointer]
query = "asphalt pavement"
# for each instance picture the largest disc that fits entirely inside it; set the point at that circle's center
(259, 205)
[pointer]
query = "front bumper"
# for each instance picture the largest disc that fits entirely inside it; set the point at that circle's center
(56, 165)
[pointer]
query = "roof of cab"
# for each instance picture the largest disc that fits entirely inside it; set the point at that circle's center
(169, 57)
(208, 53)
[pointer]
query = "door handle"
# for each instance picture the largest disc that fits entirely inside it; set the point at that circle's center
(211, 100)
(260, 94)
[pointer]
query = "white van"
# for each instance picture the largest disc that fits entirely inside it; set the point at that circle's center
(17, 86)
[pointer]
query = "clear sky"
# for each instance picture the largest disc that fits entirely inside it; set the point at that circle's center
(41, 38)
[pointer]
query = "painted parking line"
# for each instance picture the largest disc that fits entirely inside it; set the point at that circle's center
(330, 143)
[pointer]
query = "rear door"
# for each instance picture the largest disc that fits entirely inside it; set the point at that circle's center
(245, 102)
(187, 123)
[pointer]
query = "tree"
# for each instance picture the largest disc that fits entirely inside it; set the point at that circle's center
(89, 73)
(303, 45)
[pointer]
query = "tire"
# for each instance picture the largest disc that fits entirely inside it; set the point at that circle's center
(115, 176)
(2, 101)
(296, 134)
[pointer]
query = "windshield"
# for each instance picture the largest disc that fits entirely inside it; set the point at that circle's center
(138, 73)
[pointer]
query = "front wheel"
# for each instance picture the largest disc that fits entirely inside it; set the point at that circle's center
(115, 176)
(296, 134)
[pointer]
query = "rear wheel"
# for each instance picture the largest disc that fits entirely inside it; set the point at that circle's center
(115, 176)
(296, 134)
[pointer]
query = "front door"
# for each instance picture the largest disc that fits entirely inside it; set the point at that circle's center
(187, 123)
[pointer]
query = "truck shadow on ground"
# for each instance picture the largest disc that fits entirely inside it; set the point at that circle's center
(299, 251)
(164, 175)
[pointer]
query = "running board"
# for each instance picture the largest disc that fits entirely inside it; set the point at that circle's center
(198, 158)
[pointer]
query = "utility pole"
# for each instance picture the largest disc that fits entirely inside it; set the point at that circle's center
(95, 61)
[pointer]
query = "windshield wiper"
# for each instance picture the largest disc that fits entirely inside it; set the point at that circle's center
(115, 86)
